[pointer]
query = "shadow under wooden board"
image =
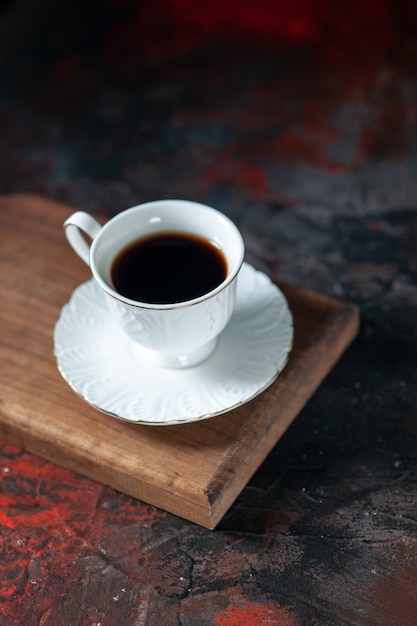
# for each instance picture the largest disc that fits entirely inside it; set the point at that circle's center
(193, 470)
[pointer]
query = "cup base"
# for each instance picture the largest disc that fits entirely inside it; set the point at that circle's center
(174, 360)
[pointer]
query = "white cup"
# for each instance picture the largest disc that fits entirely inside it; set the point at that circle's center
(167, 335)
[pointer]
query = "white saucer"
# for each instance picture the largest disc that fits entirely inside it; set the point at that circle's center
(99, 362)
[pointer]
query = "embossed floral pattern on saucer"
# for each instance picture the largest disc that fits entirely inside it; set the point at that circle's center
(102, 366)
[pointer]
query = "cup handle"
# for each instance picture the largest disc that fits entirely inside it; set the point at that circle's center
(78, 225)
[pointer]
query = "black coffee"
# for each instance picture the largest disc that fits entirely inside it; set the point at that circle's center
(168, 267)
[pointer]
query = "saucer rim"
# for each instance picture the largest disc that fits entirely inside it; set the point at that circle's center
(189, 420)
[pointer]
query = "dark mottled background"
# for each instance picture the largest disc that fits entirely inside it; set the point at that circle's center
(298, 119)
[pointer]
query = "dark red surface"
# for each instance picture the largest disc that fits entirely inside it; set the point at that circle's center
(298, 119)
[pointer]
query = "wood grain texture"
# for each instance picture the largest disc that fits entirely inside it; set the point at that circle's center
(194, 470)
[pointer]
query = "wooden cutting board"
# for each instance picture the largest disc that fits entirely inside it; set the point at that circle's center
(193, 470)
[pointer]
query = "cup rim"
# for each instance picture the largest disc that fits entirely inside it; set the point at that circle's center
(174, 305)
